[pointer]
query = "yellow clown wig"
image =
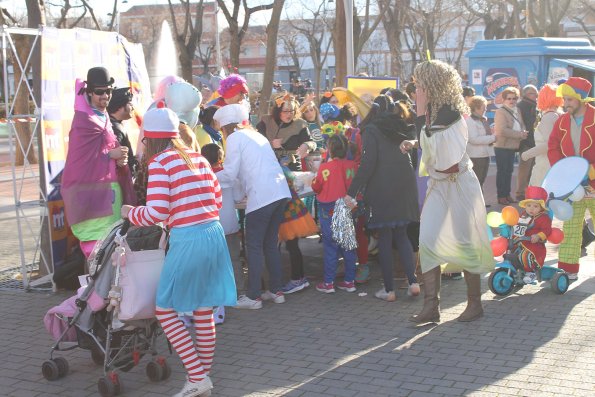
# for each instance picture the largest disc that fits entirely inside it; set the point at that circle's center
(577, 88)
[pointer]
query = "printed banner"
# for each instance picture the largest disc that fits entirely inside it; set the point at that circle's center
(67, 54)
(368, 88)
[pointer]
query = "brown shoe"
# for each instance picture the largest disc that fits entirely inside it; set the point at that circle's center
(511, 200)
(503, 201)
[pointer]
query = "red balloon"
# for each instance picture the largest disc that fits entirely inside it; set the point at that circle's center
(556, 236)
(499, 245)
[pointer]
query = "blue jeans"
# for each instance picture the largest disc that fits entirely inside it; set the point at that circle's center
(332, 251)
(262, 239)
(504, 169)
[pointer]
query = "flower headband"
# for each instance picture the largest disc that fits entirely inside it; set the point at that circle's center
(282, 99)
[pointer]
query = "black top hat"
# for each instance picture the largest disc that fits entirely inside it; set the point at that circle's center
(99, 77)
(120, 97)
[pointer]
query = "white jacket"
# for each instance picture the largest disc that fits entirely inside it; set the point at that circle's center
(250, 158)
(539, 151)
(479, 140)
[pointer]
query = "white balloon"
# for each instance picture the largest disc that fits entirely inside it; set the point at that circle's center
(562, 209)
(578, 194)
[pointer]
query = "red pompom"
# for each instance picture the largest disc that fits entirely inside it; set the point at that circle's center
(161, 104)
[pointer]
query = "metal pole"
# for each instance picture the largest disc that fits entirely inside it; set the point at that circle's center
(12, 136)
(349, 37)
(217, 41)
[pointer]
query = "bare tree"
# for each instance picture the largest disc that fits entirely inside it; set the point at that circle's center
(364, 26)
(579, 13)
(205, 53)
(271, 57)
(427, 26)
(393, 20)
(545, 17)
(292, 45)
(502, 19)
(313, 27)
(187, 34)
(236, 32)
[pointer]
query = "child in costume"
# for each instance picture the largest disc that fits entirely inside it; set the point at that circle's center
(331, 183)
(536, 225)
(197, 273)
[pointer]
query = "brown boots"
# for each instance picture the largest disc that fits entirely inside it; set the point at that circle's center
(474, 310)
(431, 310)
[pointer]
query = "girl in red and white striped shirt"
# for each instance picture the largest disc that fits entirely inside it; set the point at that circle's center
(183, 192)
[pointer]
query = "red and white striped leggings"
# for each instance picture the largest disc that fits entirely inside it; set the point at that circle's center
(197, 359)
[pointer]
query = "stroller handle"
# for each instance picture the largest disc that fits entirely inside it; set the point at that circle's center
(125, 227)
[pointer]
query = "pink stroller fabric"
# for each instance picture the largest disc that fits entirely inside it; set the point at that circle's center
(56, 325)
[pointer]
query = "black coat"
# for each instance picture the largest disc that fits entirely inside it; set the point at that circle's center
(123, 140)
(386, 176)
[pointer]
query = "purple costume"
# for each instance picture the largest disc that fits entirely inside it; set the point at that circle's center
(89, 171)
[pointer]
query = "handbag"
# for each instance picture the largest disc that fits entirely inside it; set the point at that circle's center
(139, 273)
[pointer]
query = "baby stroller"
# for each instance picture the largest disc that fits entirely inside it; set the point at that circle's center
(88, 322)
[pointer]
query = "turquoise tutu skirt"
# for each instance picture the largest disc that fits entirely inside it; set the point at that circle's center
(197, 270)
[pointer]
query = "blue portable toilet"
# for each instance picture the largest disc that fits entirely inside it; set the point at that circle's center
(497, 64)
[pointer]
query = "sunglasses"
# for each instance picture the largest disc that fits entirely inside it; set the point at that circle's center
(100, 92)
(288, 111)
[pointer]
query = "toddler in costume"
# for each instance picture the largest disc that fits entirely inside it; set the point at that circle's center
(536, 225)
(331, 183)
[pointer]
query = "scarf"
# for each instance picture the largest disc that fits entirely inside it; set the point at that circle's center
(213, 133)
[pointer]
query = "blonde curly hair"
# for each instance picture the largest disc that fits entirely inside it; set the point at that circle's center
(443, 86)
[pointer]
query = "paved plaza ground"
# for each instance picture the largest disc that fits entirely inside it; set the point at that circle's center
(533, 343)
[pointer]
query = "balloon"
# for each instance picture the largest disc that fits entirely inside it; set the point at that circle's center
(578, 194)
(556, 236)
(510, 215)
(562, 209)
(495, 219)
(499, 246)
(504, 231)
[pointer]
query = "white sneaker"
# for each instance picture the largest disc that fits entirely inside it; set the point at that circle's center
(529, 278)
(386, 296)
(277, 298)
(413, 289)
(246, 303)
(196, 389)
(573, 276)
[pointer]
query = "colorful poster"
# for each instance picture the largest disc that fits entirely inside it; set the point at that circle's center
(368, 88)
(496, 80)
(67, 54)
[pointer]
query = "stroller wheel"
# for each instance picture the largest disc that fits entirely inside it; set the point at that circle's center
(109, 385)
(154, 371)
(164, 366)
(62, 366)
(50, 370)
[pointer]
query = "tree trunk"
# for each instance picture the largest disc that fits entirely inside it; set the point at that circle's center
(234, 50)
(271, 58)
(185, 62)
(340, 44)
(21, 103)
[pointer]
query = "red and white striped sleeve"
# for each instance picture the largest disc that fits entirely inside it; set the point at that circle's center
(158, 198)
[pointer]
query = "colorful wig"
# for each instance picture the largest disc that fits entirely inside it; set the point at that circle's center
(547, 98)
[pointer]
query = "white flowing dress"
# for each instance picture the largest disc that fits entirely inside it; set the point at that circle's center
(453, 229)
